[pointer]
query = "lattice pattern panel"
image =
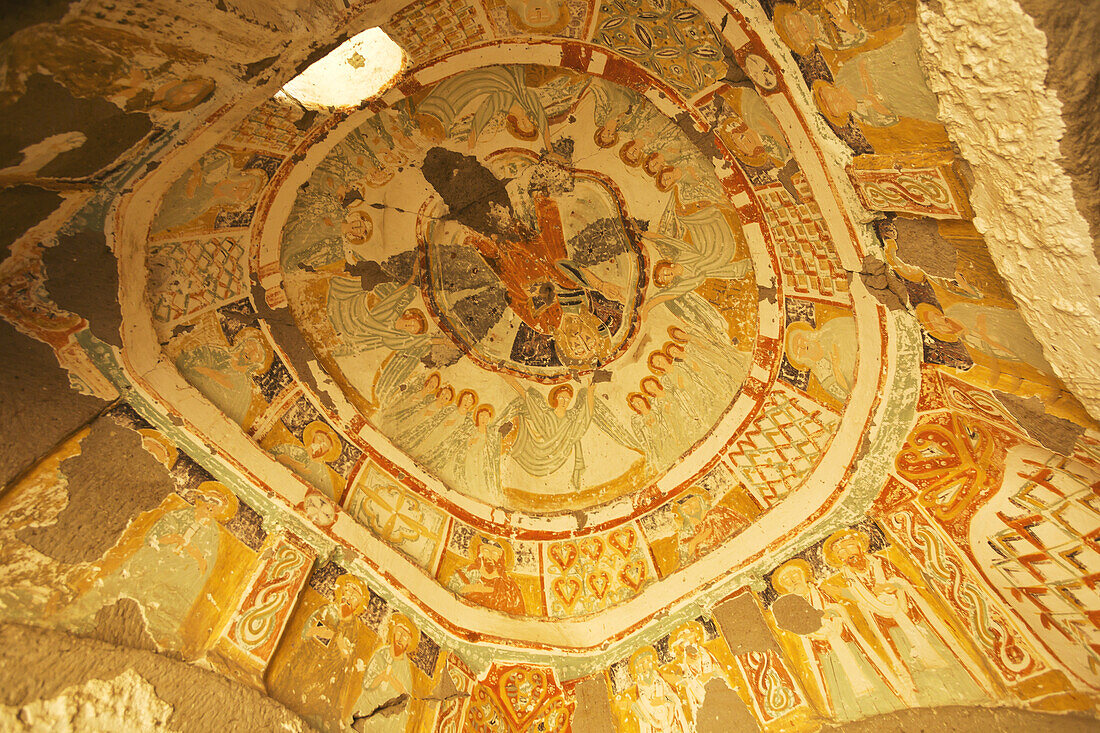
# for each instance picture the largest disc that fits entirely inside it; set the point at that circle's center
(189, 276)
(808, 259)
(781, 448)
(1050, 551)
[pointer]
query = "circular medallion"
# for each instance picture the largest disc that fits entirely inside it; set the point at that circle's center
(545, 278)
(531, 281)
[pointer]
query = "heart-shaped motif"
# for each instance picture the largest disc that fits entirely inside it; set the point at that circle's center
(564, 554)
(597, 583)
(622, 540)
(592, 547)
(567, 589)
(523, 691)
(633, 574)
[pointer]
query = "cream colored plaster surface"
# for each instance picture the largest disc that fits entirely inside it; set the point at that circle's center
(127, 702)
(356, 71)
(986, 61)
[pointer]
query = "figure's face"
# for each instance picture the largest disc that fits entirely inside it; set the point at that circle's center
(187, 94)
(665, 273)
(357, 230)
(941, 325)
(350, 600)
(540, 13)
(661, 361)
(837, 101)
(466, 402)
(799, 29)
(849, 550)
(432, 384)
(667, 177)
(578, 340)
(482, 418)
(675, 351)
(692, 510)
(645, 665)
(251, 353)
(245, 187)
(639, 405)
(804, 348)
(760, 72)
(408, 323)
(491, 554)
(792, 580)
(320, 445)
(745, 141)
(206, 508)
(401, 639)
(523, 123)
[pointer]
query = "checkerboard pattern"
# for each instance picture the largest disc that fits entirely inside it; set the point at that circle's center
(808, 261)
(430, 29)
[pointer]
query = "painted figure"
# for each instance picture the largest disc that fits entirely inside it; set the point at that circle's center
(486, 580)
(214, 182)
(388, 680)
(523, 243)
(498, 90)
(692, 667)
(854, 679)
(320, 446)
(549, 431)
(224, 375)
(657, 707)
(828, 351)
(902, 621)
(704, 525)
(319, 662)
(704, 249)
(167, 571)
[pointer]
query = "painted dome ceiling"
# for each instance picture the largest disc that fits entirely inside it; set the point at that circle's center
(598, 317)
(553, 308)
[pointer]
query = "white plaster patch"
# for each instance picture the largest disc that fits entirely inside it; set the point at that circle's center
(986, 61)
(357, 70)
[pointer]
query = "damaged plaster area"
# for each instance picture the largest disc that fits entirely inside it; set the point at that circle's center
(357, 70)
(50, 681)
(125, 702)
(986, 61)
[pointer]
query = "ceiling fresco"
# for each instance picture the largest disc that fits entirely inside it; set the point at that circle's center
(547, 320)
(539, 333)
(620, 365)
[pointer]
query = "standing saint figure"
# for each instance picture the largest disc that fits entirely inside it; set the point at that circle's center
(388, 681)
(693, 666)
(549, 430)
(657, 707)
(853, 678)
(904, 622)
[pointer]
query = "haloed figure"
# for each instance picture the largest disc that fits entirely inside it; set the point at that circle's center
(551, 294)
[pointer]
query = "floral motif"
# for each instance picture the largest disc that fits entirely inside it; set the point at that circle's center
(668, 37)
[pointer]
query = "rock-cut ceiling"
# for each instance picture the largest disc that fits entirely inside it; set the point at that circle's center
(545, 312)
(580, 328)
